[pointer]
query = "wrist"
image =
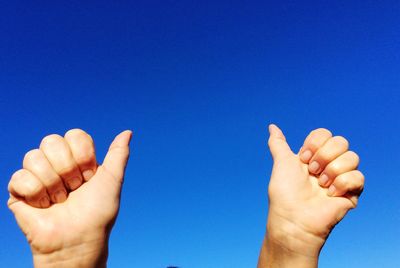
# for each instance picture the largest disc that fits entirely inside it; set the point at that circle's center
(274, 254)
(90, 253)
(291, 237)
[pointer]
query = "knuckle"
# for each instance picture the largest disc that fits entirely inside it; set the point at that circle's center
(21, 179)
(354, 157)
(360, 182)
(342, 181)
(341, 140)
(14, 178)
(360, 176)
(322, 157)
(322, 131)
(33, 186)
(314, 145)
(31, 155)
(334, 168)
(17, 175)
(50, 140)
(76, 133)
(316, 138)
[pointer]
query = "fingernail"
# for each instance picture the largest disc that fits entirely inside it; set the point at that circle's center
(44, 202)
(60, 196)
(306, 156)
(313, 167)
(331, 190)
(323, 179)
(74, 183)
(87, 174)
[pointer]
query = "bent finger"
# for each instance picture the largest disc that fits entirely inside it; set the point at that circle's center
(333, 148)
(351, 182)
(36, 162)
(315, 140)
(344, 163)
(24, 185)
(60, 157)
(83, 151)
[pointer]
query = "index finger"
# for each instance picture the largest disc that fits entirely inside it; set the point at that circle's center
(315, 140)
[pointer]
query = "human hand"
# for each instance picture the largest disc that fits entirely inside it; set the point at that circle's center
(309, 193)
(65, 203)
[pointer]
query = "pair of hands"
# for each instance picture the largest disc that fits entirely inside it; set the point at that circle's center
(66, 204)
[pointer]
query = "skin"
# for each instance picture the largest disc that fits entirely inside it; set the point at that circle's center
(309, 193)
(65, 202)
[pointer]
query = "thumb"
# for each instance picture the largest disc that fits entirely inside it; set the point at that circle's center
(118, 154)
(277, 143)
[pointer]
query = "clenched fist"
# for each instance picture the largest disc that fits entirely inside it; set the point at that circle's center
(65, 202)
(309, 193)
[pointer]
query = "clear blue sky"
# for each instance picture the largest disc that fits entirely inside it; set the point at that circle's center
(198, 82)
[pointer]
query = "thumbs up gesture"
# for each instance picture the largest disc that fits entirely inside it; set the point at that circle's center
(65, 202)
(309, 193)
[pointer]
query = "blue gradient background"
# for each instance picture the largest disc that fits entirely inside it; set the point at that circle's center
(198, 82)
